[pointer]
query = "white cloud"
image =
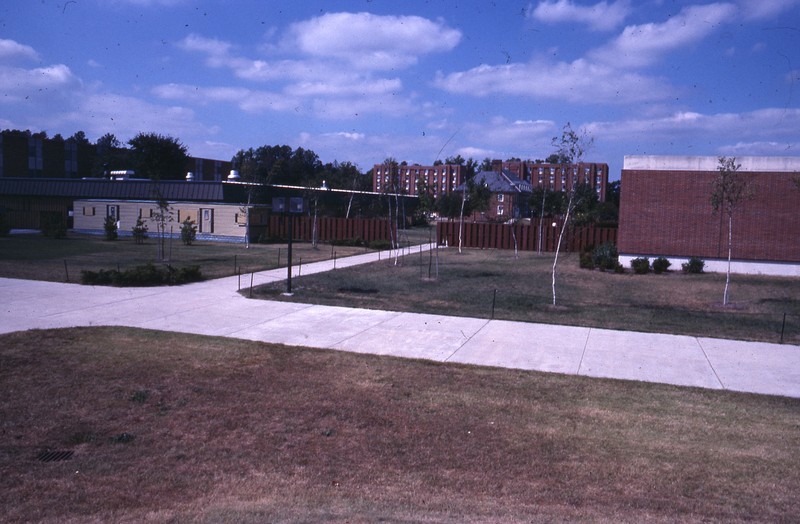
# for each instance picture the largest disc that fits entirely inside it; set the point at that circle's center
(507, 138)
(763, 9)
(600, 17)
(126, 116)
(579, 81)
(9, 49)
(347, 135)
(327, 86)
(218, 51)
(372, 42)
(357, 86)
(641, 45)
(769, 122)
(248, 100)
(17, 83)
(761, 149)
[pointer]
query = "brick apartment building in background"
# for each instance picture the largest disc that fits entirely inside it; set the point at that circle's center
(444, 178)
(559, 177)
(665, 210)
(406, 179)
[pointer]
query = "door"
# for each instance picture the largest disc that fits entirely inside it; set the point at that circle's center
(206, 220)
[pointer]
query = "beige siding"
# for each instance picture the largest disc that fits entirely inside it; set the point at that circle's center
(224, 216)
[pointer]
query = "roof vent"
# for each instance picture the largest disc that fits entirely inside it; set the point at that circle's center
(234, 175)
(190, 177)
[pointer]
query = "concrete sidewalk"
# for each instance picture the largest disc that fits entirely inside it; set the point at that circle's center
(216, 308)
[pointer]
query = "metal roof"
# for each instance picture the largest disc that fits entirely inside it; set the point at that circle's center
(112, 189)
(500, 182)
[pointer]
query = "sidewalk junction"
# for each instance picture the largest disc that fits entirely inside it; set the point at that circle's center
(216, 308)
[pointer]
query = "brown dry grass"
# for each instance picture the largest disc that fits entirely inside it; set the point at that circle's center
(235, 431)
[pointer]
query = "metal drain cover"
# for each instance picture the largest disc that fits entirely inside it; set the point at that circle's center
(54, 456)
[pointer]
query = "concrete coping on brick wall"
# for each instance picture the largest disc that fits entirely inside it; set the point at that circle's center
(742, 267)
(768, 164)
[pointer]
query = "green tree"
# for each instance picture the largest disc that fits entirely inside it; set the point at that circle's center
(455, 160)
(729, 189)
(427, 202)
(475, 197)
(188, 231)
(80, 138)
(162, 216)
(139, 231)
(158, 157)
(110, 228)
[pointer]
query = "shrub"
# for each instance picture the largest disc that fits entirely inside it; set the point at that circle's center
(641, 265)
(139, 231)
(188, 231)
(586, 261)
(694, 265)
(352, 242)
(661, 265)
(142, 276)
(606, 257)
(380, 244)
(110, 227)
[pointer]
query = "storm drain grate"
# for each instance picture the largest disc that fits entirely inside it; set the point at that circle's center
(54, 456)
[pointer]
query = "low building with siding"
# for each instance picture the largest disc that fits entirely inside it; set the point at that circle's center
(214, 220)
(665, 210)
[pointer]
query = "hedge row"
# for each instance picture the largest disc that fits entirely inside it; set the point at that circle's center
(143, 276)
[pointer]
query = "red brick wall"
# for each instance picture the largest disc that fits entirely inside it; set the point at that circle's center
(669, 213)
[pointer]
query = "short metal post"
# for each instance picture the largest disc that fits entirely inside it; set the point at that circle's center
(783, 327)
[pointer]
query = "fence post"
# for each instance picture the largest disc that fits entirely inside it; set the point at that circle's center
(783, 327)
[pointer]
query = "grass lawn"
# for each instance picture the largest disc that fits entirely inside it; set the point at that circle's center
(482, 283)
(36, 257)
(174, 427)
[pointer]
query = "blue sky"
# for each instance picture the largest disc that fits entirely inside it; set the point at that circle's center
(364, 80)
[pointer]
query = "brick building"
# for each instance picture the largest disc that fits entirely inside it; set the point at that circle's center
(509, 198)
(406, 179)
(666, 211)
(30, 155)
(558, 177)
(442, 179)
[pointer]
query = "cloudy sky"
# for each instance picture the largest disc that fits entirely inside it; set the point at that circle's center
(417, 80)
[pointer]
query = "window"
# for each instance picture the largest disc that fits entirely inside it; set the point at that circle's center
(88, 211)
(500, 210)
(71, 158)
(500, 197)
(35, 161)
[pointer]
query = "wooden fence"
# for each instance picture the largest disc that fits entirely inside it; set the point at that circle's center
(502, 236)
(366, 229)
